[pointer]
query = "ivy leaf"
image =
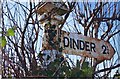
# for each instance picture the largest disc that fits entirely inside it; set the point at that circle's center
(10, 32)
(88, 72)
(76, 72)
(2, 41)
(85, 65)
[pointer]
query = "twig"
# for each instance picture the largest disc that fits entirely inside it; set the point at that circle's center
(58, 67)
(112, 35)
(106, 69)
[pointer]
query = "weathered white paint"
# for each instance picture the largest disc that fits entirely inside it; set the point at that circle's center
(78, 44)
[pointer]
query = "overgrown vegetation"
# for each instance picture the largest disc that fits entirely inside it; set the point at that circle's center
(22, 34)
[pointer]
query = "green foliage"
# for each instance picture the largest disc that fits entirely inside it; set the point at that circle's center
(3, 41)
(85, 65)
(59, 67)
(9, 32)
(62, 69)
(76, 72)
(52, 67)
(87, 70)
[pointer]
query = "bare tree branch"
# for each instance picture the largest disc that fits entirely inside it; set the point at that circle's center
(112, 35)
(71, 6)
(106, 69)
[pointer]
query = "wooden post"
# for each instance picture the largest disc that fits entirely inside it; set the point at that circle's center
(50, 18)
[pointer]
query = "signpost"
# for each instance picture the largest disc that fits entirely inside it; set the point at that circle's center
(72, 43)
(51, 17)
(77, 44)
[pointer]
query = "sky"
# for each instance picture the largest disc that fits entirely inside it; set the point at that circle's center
(74, 58)
(63, 0)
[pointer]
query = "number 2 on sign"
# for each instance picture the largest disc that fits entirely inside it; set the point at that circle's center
(105, 49)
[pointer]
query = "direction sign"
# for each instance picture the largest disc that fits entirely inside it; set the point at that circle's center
(79, 44)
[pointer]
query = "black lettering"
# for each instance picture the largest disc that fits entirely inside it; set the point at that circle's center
(71, 42)
(105, 49)
(92, 46)
(66, 44)
(87, 46)
(82, 45)
(76, 44)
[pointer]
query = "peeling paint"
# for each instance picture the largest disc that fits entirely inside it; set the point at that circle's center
(103, 49)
